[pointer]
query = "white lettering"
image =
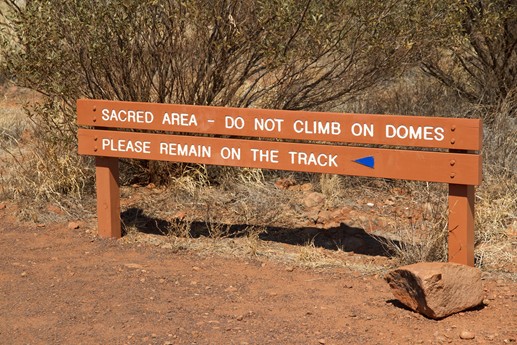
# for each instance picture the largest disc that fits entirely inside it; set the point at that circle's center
(185, 150)
(231, 153)
(362, 130)
(122, 145)
(105, 114)
(322, 159)
(317, 127)
(415, 132)
(265, 155)
(390, 131)
(438, 131)
(402, 132)
(269, 125)
(231, 122)
(177, 119)
(135, 116)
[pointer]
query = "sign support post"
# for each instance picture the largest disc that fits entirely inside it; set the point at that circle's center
(108, 197)
(461, 224)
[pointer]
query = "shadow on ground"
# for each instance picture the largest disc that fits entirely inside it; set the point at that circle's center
(400, 305)
(343, 237)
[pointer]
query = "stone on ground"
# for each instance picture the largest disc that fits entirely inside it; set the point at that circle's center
(437, 289)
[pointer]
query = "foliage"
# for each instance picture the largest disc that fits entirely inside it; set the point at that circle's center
(473, 48)
(281, 54)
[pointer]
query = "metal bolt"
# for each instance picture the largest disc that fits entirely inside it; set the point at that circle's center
(453, 162)
(453, 128)
(95, 149)
(453, 175)
(453, 141)
(94, 108)
(94, 119)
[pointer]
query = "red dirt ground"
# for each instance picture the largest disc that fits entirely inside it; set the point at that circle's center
(61, 286)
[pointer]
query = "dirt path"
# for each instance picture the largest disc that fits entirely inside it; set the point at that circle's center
(59, 286)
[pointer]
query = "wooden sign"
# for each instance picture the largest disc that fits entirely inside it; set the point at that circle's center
(416, 131)
(427, 149)
(346, 160)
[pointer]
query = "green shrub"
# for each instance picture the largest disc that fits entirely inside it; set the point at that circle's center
(473, 48)
(245, 53)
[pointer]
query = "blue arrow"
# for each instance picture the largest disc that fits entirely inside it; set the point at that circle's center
(366, 161)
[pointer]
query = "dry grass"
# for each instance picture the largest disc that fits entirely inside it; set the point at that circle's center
(42, 173)
(34, 171)
(13, 122)
(333, 188)
(411, 245)
(496, 198)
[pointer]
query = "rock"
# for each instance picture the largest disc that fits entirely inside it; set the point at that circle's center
(308, 186)
(490, 337)
(74, 225)
(323, 217)
(314, 199)
(466, 335)
(437, 289)
(285, 183)
(3, 206)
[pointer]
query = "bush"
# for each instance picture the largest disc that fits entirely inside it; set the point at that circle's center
(473, 48)
(272, 54)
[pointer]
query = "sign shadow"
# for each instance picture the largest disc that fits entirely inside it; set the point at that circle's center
(343, 237)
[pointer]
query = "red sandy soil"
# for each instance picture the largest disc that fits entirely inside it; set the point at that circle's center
(63, 286)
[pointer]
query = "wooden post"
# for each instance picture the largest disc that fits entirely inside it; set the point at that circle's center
(108, 197)
(461, 224)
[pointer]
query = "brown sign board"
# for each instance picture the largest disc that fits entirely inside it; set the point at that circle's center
(460, 167)
(361, 161)
(410, 131)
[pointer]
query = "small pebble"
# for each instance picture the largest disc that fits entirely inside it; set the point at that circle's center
(466, 335)
(440, 339)
(73, 225)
